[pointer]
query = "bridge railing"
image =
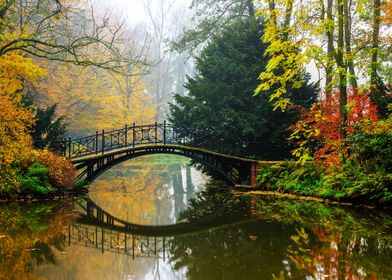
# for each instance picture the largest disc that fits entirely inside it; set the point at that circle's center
(129, 136)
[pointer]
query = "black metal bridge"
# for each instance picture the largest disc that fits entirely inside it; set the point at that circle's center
(108, 240)
(94, 154)
(93, 215)
(96, 228)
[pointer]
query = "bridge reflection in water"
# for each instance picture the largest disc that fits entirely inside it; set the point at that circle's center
(108, 240)
(96, 228)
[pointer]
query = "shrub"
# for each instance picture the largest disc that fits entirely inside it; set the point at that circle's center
(80, 184)
(372, 150)
(60, 171)
(36, 180)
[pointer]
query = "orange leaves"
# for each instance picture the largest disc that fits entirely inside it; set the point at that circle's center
(387, 8)
(61, 172)
(15, 120)
(317, 133)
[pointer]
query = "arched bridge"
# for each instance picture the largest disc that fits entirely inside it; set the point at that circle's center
(93, 215)
(96, 228)
(94, 154)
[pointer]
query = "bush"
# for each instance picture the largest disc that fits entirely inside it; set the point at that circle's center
(358, 184)
(80, 184)
(60, 171)
(372, 150)
(350, 182)
(363, 175)
(293, 178)
(36, 180)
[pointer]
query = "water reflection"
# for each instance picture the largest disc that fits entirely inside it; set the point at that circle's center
(149, 190)
(214, 234)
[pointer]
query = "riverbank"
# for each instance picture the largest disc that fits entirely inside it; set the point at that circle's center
(348, 183)
(32, 196)
(296, 197)
(40, 174)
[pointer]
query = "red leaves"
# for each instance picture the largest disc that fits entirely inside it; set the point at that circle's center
(317, 133)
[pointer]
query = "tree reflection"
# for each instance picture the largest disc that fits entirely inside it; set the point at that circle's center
(151, 189)
(289, 240)
(334, 242)
(27, 232)
(229, 252)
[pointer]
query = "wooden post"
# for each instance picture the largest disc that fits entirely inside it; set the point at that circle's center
(64, 147)
(133, 246)
(163, 248)
(103, 141)
(69, 235)
(103, 240)
(164, 133)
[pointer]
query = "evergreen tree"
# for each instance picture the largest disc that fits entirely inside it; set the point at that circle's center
(48, 130)
(220, 111)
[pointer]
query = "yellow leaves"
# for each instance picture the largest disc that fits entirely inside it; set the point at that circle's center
(94, 99)
(14, 69)
(274, 62)
(15, 142)
(15, 120)
(387, 9)
(262, 87)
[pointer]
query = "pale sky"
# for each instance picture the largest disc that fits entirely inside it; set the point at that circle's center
(133, 10)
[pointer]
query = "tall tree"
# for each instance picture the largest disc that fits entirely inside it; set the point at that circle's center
(48, 130)
(333, 34)
(220, 111)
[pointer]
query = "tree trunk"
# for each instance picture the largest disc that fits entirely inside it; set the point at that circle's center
(330, 51)
(287, 18)
(347, 35)
(342, 72)
(251, 8)
(271, 7)
(375, 44)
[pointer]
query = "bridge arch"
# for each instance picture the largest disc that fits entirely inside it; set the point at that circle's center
(233, 170)
(94, 215)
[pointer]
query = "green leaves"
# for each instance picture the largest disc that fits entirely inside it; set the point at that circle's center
(220, 105)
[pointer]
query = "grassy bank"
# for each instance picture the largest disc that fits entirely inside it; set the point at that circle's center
(347, 183)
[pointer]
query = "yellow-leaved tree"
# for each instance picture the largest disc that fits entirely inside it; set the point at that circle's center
(15, 120)
(95, 99)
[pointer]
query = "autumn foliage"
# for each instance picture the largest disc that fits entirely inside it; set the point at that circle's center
(60, 171)
(15, 120)
(16, 150)
(317, 133)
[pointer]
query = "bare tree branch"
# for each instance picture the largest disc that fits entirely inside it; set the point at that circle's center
(54, 30)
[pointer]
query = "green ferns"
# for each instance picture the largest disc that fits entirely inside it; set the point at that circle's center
(36, 180)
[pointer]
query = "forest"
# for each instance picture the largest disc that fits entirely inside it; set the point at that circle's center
(304, 84)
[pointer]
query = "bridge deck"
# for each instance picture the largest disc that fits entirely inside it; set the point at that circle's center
(166, 146)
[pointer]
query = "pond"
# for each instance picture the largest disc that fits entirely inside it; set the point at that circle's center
(157, 218)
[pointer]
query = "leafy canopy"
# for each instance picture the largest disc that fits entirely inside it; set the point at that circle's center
(220, 111)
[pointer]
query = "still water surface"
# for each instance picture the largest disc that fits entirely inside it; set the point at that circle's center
(166, 224)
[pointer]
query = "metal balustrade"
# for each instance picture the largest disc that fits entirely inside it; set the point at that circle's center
(129, 136)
